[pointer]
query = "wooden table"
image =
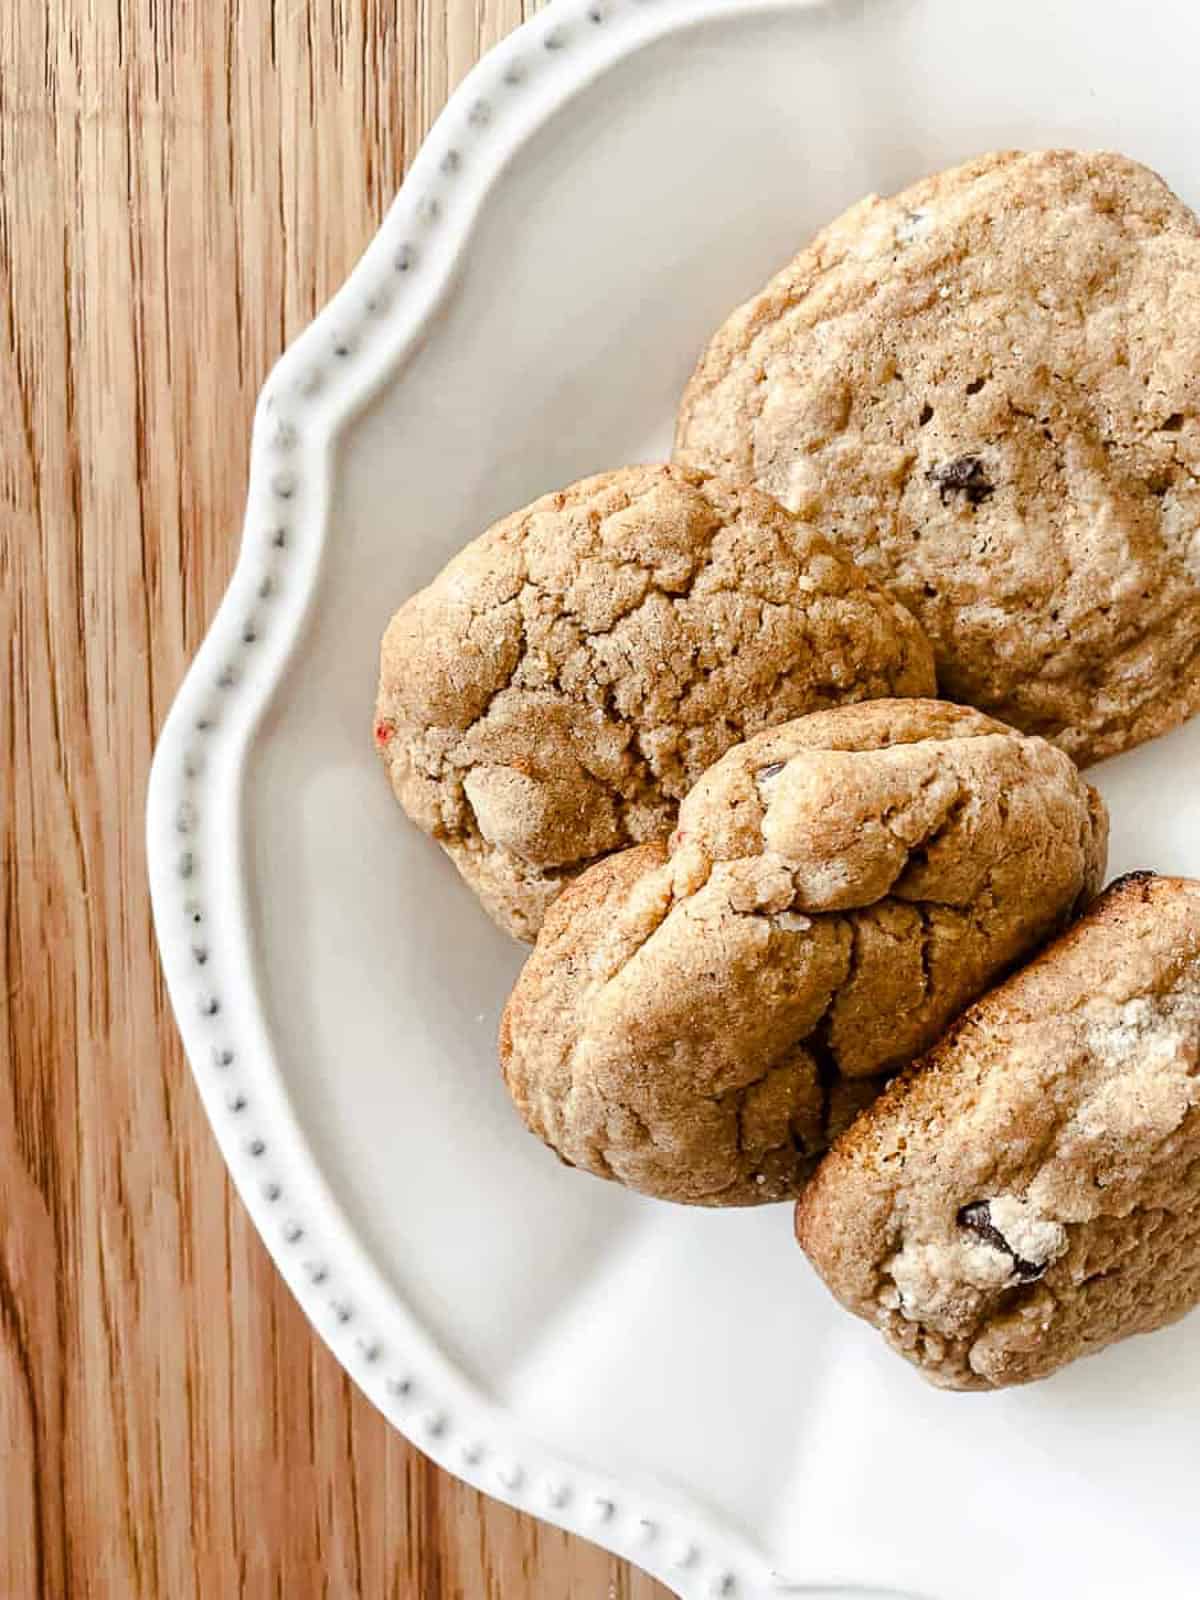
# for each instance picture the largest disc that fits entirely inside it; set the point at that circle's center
(182, 184)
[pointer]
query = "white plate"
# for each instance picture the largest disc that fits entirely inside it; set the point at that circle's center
(673, 1384)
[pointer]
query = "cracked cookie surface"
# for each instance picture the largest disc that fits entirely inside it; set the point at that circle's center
(988, 390)
(699, 1018)
(1031, 1193)
(556, 691)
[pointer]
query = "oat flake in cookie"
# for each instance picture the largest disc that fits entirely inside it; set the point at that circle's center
(559, 687)
(698, 1020)
(988, 390)
(1031, 1193)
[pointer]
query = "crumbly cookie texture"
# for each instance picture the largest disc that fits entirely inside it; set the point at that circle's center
(699, 1018)
(988, 390)
(1031, 1192)
(556, 691)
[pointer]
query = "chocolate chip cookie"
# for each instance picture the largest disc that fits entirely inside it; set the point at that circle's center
(699, 1018)
(1031, 1193)
(555, 692)
(988, 390)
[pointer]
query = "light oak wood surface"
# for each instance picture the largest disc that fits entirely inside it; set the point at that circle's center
(182, 184)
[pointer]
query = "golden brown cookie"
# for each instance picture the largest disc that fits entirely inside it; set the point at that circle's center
(698, 1019)
(987, 389)
(1031, 1192)
(555, 692)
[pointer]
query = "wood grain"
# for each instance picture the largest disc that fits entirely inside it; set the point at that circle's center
(181, 187)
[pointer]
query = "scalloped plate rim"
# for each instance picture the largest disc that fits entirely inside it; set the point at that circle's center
(207, 727)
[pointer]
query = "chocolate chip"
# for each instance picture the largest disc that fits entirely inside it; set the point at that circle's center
(1173, 424)
(926, 415)
(975, 385)
(772, 771)
(966, 475)
(1141, 875)
(977, 1219)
